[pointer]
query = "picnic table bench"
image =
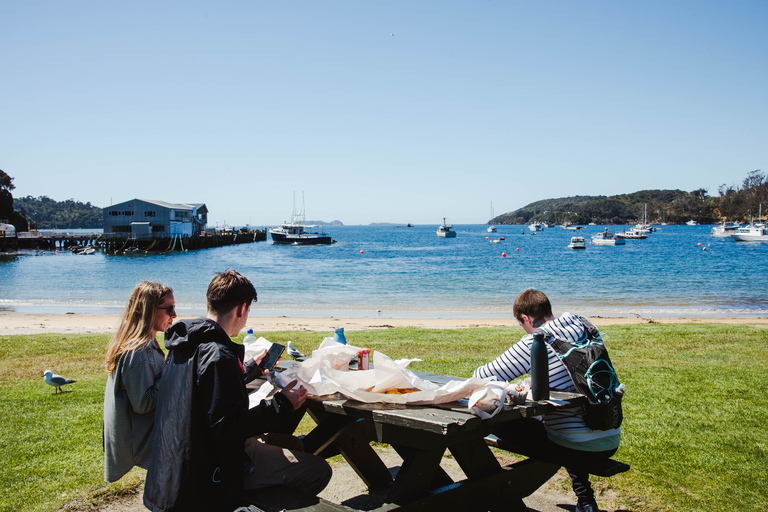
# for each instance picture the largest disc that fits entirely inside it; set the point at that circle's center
(421, 434)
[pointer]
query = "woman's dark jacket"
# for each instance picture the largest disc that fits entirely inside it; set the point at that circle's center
(202, 420)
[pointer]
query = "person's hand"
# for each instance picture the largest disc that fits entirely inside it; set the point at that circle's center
(257, 358)
(296, 396)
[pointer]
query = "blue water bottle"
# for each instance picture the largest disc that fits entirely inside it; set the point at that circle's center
(539, 367)
(339, 336)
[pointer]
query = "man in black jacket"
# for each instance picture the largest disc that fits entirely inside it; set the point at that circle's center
(202, 419)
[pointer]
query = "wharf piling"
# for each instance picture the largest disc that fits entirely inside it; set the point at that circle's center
(8, 243)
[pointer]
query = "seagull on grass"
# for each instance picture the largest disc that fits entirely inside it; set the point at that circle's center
(56, 380)
(293, 351)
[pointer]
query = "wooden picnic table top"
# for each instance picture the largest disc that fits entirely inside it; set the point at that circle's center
(421, 434)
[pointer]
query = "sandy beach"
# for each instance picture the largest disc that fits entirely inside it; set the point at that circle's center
(24, 323)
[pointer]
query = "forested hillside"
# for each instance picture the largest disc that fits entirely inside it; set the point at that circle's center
(671, 206)
(49, 214)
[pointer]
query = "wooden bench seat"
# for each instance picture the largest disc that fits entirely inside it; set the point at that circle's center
(604, 468)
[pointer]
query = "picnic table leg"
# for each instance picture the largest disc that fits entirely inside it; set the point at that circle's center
(355, 447)
(322, 436)
(475, 458)
(417, 474)
(351, 438)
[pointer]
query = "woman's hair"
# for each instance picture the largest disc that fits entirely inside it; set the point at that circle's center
(137, 321)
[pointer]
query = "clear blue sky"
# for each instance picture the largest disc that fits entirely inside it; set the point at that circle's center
(379, 111)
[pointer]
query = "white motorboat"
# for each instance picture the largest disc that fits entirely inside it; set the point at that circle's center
(577, 242)
(446, 230)
(607, 238)
(751, 233)
(692, 223)
(723, 230)
(535, 226)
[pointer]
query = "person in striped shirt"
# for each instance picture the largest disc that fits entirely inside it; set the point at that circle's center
(560, 436)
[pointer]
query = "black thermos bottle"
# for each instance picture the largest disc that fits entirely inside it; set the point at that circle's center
(539, 367)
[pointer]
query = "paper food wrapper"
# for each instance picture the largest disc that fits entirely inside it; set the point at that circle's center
(487, 401)
(254, 348)
(517, 392)
(327, 372)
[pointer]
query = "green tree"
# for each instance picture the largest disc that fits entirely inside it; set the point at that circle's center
(6, 204)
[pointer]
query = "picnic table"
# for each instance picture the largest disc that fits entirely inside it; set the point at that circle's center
(421, 434)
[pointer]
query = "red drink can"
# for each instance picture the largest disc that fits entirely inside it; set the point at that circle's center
(362, 359)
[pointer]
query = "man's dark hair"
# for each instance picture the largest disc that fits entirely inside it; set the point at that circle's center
(228, 290)
(532, 303)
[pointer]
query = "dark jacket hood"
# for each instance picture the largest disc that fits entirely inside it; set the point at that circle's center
(193, 332)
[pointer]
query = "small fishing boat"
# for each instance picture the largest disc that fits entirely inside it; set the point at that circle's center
(692, 223)
(633, 234)
(607, 238)
(723, 231)
(294, 232)
(446, 230)
(535, 226)
(577, 242)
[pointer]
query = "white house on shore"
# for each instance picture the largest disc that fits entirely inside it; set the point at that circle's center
(149, 218)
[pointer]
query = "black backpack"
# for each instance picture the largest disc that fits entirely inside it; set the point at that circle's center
(591, 370)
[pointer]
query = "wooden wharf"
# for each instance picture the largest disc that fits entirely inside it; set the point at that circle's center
(124, 243)
(8, 243)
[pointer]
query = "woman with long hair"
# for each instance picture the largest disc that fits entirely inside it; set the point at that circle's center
(135, 364)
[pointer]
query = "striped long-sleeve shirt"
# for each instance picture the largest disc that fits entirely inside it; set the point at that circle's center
(565, 427)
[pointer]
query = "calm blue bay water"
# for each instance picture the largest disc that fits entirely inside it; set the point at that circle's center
(412, 272)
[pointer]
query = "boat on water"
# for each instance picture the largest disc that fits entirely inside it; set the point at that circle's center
(577, 242)
(607, 238)
(295, 232)
(692, 223)
(751, 233)
(633, 234)
(723, 230)
(535, 226)
(491, 228)
(446, 230)
(644, 227)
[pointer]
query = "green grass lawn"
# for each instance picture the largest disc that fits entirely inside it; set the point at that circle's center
(694, 429)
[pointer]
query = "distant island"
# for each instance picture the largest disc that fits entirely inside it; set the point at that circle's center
(740, 203)
(323, 223)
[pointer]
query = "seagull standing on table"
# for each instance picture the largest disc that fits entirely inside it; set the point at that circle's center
(56, 380)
